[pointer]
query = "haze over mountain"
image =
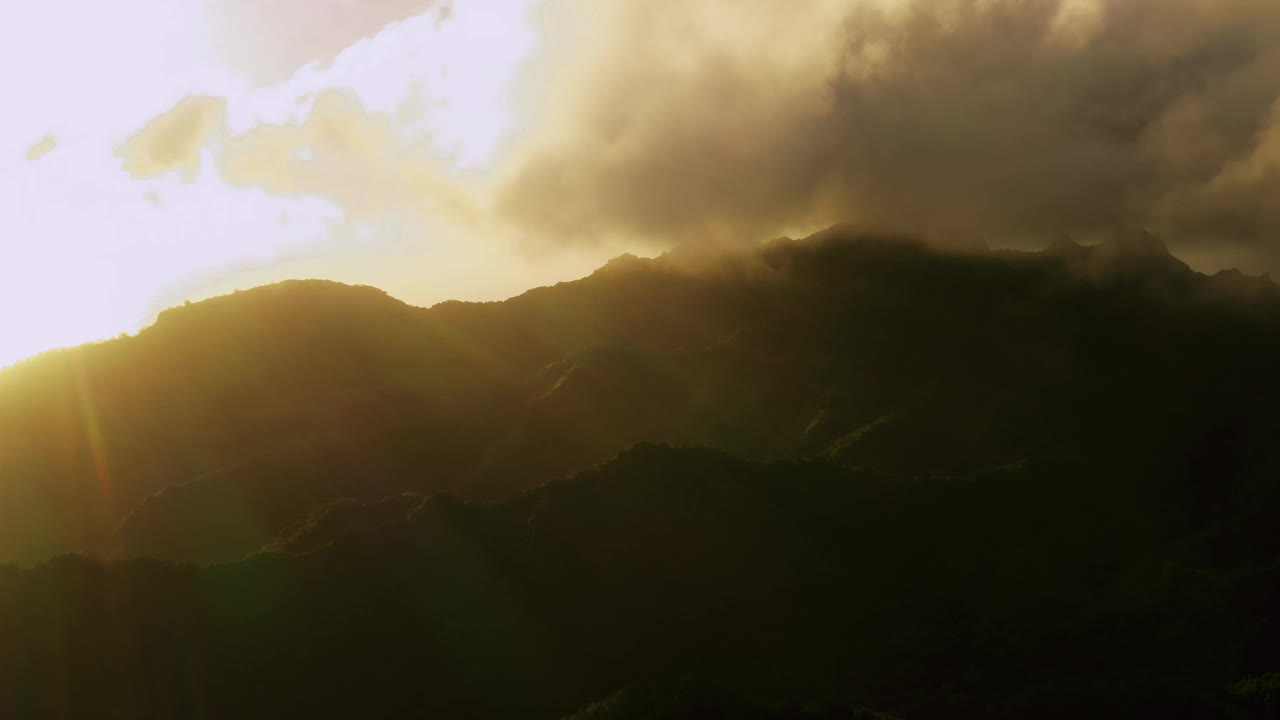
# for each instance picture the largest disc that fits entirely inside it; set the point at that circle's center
(873, 351)
(1001, 446)
(470, 149)
(817, 476)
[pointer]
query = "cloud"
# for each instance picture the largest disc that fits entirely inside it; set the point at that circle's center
(480, 137)
(269, 40)
(175, 140)
(88, 251)
(1009, 120)
(337, 172)
(43, 147)
(390, 125)
(1239, 205)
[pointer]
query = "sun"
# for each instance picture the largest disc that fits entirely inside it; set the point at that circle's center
(128, 185)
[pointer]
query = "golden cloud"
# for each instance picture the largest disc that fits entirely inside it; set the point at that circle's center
(174, 141)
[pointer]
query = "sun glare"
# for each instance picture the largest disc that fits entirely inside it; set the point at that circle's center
(128, 185)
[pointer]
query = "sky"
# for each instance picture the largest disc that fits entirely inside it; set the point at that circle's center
(154, 151)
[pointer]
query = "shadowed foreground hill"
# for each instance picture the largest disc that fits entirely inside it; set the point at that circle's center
(677, 583)
(206, 435)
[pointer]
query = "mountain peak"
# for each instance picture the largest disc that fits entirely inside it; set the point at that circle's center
(282, 294)
(1136, 242)
(1065, 248)
(622, 263)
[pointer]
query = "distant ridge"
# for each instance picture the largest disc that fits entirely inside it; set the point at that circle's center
(844, 344)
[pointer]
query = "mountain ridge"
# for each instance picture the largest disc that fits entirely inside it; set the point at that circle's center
(842, 345)
(804, 480)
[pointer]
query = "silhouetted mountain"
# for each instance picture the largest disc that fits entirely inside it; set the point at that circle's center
(696, 704)
(205, 435)
(1240, 287)
(727, 588)
(997, 485)
(328, 523)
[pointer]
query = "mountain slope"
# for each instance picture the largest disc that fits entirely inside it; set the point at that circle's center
(1033, 592)
(870, 351)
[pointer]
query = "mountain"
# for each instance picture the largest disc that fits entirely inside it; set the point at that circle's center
(848, 476)
(870, 351)
(678, 583)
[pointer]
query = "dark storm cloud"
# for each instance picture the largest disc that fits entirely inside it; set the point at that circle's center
(1009, 120)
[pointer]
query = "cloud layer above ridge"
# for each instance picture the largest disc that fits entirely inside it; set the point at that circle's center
(1010, 120)
(472, 148)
